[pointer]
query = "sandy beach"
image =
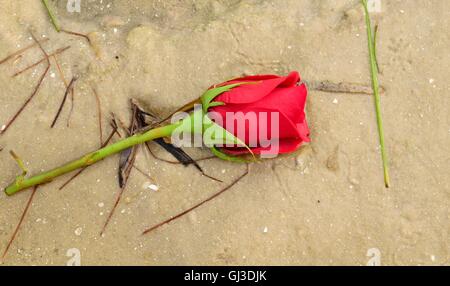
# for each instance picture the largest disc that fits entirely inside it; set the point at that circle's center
(324, 205)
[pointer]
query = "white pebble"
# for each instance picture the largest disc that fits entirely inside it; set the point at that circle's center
(335, 101)
(100, 205)
(153, 187)
(150, 186)
(78, 231)
(3, 127)
(266, 229)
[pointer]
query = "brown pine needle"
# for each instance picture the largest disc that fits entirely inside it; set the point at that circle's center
(99, 112)
(72, 105)
(58, 51)
(126, 163)
(70, 87)
(66, 84)
(60, 71)
(82, 170)
(35, 91)
(122, 189)
(16, 231)
(19, 52)
(199, 204)
(143, 173)
(77, 34)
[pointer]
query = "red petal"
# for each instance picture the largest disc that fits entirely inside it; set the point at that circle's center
(254, 92)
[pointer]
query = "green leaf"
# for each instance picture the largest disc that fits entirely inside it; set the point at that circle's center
(216, 103)
(211, 94)
(224, 137)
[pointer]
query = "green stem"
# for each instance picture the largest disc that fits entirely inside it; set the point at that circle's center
(52, 15)
(375, 85)
(22, 183)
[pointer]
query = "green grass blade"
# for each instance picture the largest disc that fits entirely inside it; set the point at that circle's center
(376, 86)
(52, 15)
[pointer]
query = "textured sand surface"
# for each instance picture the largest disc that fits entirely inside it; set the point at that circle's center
(324, 205)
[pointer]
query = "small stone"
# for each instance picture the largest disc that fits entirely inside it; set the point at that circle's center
(150, 186)
(153, 187)
(266, 229)
(333, 160)
(78, 231)
(335, 101)
(100, 205)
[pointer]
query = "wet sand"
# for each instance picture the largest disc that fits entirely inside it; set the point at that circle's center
(324, 205)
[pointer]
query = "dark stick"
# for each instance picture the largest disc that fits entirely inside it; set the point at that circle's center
(197, 205)
(69, 87)
(342, 87)
(16, 231)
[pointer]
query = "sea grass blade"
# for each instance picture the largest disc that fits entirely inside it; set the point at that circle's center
(52, 16)
(375, 86)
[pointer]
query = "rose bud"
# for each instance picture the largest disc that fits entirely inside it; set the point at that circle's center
(266, 112)
(261, 114)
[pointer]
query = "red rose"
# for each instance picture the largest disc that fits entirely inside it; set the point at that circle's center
(257, 106)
